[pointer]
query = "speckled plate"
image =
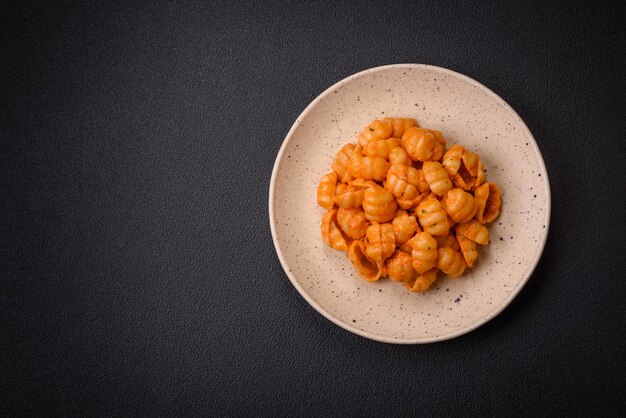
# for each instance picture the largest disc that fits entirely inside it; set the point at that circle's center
(467, 113)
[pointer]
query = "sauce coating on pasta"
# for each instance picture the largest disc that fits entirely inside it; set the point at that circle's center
(404, 206)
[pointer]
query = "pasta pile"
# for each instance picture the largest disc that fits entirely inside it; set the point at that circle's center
(402, 205)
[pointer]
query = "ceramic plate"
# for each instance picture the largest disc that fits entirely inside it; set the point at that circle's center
(467, 113)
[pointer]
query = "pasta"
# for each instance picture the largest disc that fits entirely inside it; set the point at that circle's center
(418, 143)
(407, 184)
(432, 217)
(341, 162)
(379, 242)
(331, 233)
(474, 231)
(470, 160)
(411, 203)
(450, 262)
(452, 159)
(326, 191)
(447, 240)
(440, 145)
(407, 247)
(381, 147)
(352, 222)
(400, 267)
(379, 129)
(365, 184)
(468, 249)
(436, 177)
(348, 196)
(422, 282)
(368, 269)
(480, 177)
(424, 252)
(402, 205)
(488, 203)
(400, 125)
(451, 221)
(379, 204)
(369, 168)
(468, 172)
(404, 227)
(399, 156)
(460, 205)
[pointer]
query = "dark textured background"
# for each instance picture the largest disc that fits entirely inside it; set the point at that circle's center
(138, 275)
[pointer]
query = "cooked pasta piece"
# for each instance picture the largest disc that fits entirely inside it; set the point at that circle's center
(474, 231)
(451, 221)
(381, 147)
(436, 177)
(379, 204)
(364, 184)
(404, 227)
(424, 252)
(467, 173)
(352, 222)
(356, 160)
(471, 160)
(462, 179)
(418, 143)
(379, 242)
(447, 240)
(400, 267)
(331, 234)
(369, 168)
(480, 177)
(432, 217)
(452, 159)
(460, 205)
(400, 125)
(468, 249)
(407, 184)
(399, 156)
(379, 129)
(440, 145)
(347, 196)
(412, 203)
(326, 191)
(341, 162)
(407, 247)
(366, 268)
(488, 201)
(450, 262)
(422, 282)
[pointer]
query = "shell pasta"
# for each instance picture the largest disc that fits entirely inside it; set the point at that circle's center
(403, 206)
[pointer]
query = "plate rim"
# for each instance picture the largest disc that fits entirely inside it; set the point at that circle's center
(347, 326)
